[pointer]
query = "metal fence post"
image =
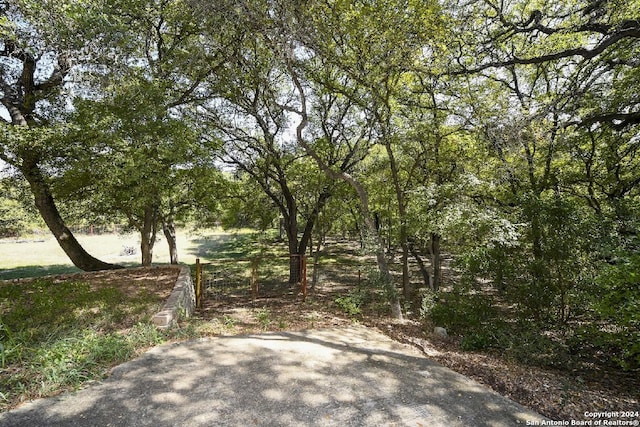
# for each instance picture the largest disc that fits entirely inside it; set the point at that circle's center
(303, 283)
(198, 283)
(254, 278)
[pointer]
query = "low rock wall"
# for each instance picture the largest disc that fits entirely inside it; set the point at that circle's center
(181, 302)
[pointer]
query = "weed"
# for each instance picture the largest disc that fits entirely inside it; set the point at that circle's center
(349, 304)
(264, 317)
(229, 322)
(365, 295)
(313, 318)
(6, 339)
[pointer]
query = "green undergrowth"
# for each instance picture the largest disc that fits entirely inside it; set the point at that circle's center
(486, 326)
(57, 336)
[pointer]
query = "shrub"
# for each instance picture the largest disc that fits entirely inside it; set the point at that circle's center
(616, 305)
(460, 312)
(372, 294)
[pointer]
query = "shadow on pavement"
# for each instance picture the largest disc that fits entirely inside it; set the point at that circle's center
(334, 377)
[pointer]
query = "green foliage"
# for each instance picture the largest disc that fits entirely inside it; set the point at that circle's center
(459, 312)
(13, 219)
(471, 316)
(350, 304)
(606, 344)
(229, 322)
(618, 295)
(616, 303)
(247, 207)
(264, 317)
(477, 104)
(545, 266)
(603, 326)
(17, 217)
(482, 326)
(371, 295)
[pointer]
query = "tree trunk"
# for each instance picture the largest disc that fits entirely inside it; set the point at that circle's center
(169, 229)
(316, 261)
(281, 229)
(423, 268)
(357, 228)
(291, 228)
(436, 261)
(536, 234)
(148, 235)
(305, 239)
(48, 210)
(381, 260)
(396, 310)
(20, 101)
(383, 266)
(294, 269)
(402, 213)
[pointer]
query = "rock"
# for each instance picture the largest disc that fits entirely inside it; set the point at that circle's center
(440, 331)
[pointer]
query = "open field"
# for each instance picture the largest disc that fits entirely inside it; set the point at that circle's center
(39, 256)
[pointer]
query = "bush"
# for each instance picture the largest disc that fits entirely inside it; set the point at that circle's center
(353, 303)
(372, 294)
(616, 304)
(460, 313)
(481, 326)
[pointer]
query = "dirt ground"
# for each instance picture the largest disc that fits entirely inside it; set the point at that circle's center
(158, 279)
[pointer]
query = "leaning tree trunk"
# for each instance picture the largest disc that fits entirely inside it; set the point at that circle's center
(381, 260)
(169, 229)
(21, 99)
(48, 210)
(383, 267)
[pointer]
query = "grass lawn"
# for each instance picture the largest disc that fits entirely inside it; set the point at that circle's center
(60, 332)
(56, 334)
(42, 256)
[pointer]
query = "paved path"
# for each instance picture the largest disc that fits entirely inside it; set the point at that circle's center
(336, 377)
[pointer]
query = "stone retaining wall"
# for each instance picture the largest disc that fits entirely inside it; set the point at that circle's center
(181, 302)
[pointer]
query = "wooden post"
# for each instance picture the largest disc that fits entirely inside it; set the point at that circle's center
(303, 282)
(254, 278)
(198, 283)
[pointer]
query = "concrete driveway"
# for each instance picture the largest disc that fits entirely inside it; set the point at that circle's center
(336, 377)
